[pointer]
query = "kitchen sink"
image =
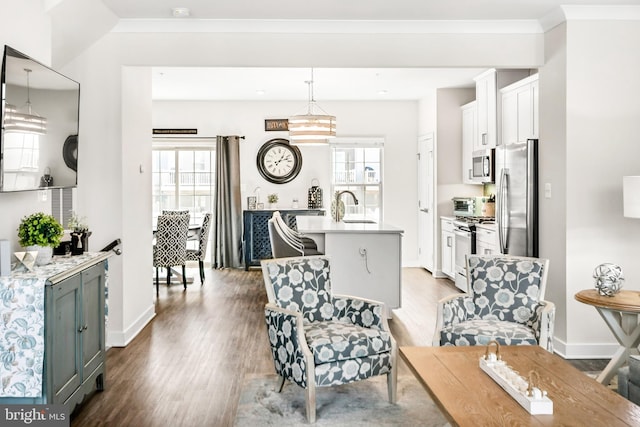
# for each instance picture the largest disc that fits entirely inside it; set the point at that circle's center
(358, 221)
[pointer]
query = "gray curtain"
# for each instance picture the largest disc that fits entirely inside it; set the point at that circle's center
(227, 230)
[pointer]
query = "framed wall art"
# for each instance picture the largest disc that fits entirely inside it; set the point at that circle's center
(276, 125)
(252, 202)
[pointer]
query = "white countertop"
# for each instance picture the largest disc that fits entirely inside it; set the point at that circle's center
(325, 224)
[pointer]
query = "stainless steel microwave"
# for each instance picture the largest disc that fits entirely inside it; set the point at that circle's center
(482, 165)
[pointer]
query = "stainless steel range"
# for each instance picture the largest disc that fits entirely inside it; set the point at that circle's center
(465, 244)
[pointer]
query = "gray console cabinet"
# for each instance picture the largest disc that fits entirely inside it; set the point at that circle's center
(74, 335)
(75, 319)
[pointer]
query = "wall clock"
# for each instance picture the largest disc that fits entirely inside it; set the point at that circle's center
(279, 162)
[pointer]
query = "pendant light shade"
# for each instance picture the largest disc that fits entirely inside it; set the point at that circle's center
(314, 127)
(24, 120)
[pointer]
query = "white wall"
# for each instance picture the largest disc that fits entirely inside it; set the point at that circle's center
(603, 111)
(588, 141)
(37, 44)
(552, 151)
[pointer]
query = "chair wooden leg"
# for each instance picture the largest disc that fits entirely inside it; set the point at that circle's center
(280, 386)
(392, 384)
(157, 281)
(184, 277)
(201, 266)
(311, 404)
(168, 276)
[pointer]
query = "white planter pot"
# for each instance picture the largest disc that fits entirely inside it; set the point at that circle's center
(45, 254)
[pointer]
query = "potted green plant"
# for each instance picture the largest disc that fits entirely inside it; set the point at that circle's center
(40, 232)
(272, 199)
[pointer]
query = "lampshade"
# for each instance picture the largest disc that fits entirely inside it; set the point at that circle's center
(15, 121)
(631, 196)
(24, 120)
(314, 127)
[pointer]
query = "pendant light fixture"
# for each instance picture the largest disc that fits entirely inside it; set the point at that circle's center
(24, 120)
(314, 127)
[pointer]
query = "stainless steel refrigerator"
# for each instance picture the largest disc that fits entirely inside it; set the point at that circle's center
(516, 173)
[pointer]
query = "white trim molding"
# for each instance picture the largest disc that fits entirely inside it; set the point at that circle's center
(123, 338)
(311, 26)
(589, 13)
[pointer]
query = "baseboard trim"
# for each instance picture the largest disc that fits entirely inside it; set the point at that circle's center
(123, 338)
(584, 351)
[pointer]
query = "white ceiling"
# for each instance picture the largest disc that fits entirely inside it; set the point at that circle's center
(171, 83)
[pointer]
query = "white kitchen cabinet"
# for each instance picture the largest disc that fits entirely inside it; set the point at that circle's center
(486, 106)
(469, 131)
(489, 104)
(520, 111)
(448, 252)
(486, 240)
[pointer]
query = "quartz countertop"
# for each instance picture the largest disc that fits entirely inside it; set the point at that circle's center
(326, 224)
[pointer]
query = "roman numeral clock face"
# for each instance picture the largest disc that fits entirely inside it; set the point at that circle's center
(279, 162)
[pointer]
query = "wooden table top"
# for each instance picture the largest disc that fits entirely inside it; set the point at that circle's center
(628, 301)
(467, 396)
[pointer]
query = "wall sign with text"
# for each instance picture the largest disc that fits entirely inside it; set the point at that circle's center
(276, 124)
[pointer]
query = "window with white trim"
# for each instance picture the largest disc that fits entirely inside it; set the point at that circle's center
(357, 167)
(183, 177)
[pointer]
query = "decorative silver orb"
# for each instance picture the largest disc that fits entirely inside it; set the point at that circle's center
(609, 279)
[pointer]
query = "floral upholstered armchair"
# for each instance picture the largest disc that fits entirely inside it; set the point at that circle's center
(504, 302)
(319, 339)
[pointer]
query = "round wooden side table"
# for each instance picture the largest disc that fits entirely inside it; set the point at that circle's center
(620, 312)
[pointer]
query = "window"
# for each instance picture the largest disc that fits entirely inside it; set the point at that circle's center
(21, 159)
(183, 178)
(357, 167)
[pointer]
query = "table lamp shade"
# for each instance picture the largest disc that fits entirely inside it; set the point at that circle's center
(631, 196)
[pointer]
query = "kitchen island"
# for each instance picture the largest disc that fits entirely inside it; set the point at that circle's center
(366, 258)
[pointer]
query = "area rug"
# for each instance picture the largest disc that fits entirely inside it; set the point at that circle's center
(363, 403)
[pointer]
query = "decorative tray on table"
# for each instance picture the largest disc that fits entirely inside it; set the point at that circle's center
(524, 391)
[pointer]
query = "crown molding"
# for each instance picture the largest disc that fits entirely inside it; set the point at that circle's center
(327, 26)
(601, 13)
(589, 13)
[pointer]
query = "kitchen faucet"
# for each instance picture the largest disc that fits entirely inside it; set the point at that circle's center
(336, 212)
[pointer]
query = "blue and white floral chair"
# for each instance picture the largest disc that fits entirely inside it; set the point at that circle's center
(504, 302)
(319, 339)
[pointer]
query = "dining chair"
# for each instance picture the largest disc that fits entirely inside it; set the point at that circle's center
(320, 339)
(504, 302)
(199, 253)
(294, 235)
(283, 246)
(170, 249)
(172, 212)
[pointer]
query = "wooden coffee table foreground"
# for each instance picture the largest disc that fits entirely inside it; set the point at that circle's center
(469, 397)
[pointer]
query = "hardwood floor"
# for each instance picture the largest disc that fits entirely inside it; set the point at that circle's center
(186, 368)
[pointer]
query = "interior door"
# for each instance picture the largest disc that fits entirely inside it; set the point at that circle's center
(426, 189)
